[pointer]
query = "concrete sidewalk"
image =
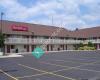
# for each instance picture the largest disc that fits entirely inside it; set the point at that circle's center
(23, 53)
(11, 55)
(58, 51)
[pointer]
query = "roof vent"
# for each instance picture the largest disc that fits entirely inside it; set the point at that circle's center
(76, 29)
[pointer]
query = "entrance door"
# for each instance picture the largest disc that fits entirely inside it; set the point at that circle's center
(33, 47)
(51, 47)
(8, 48)
(27, 48)
(47, 47)
(66, 47)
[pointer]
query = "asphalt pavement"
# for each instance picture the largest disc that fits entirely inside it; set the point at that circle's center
(65, 65)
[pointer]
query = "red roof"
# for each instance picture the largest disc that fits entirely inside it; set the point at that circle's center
(87, 32)
(45, 30)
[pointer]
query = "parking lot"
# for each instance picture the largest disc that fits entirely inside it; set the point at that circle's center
(65, 65)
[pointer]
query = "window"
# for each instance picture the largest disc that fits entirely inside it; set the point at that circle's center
(8, 35)
(25, 46)
(12, 46)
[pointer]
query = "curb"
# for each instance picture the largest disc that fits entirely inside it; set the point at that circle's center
(11, 56)
(25, 53)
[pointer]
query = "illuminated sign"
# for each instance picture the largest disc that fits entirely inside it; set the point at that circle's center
(19, 28)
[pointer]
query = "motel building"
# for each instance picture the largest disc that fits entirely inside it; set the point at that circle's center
(25, 37)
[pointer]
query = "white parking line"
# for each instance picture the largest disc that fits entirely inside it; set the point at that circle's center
(46, 72)
(89, 70)
(14, 78)
(76, 59)
(68, 68)
(32, 75)
(54, 64)
(68, 61)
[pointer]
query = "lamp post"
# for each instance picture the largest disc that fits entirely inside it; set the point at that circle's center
(1, 20)
(1, 34)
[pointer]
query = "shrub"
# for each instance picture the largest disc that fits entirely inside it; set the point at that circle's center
(90, 44)
(86, 48)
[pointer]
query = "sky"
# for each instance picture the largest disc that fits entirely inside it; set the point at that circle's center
(70, 14)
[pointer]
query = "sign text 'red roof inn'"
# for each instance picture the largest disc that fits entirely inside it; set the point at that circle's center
(19, 28)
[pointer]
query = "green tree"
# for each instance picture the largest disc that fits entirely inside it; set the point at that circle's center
(90, 44)
(78, 45)
(81, 45)
(2, 42)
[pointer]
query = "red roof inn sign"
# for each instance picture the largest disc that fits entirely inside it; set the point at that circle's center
(19, 28)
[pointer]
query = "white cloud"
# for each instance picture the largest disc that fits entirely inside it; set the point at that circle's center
(68, 15)
(91, 17)
(14, 10)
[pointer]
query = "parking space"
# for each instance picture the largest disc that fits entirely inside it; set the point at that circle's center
(4, 77)
(79, 74)
(67, 65)
(95, 67)
(45, 77)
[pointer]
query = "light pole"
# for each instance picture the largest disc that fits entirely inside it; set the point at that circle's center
(1, 33)
(1, 20)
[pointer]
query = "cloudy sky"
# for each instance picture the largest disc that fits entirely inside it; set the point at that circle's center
(70, 14)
